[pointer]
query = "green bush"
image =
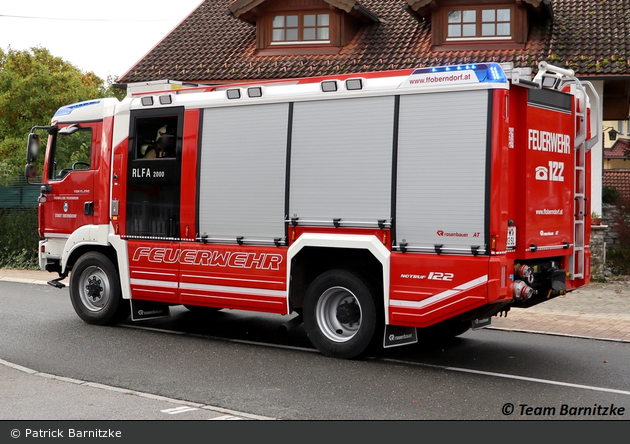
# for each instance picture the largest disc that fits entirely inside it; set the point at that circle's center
(618, 260)
(610, 195)
(18, 239)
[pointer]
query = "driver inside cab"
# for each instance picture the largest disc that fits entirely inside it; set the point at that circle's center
(164, 145)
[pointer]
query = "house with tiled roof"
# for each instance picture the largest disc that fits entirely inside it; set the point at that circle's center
(619, 179)
(226, 41)
(617, 157)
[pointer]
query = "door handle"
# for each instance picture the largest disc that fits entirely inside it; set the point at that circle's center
(88, 208)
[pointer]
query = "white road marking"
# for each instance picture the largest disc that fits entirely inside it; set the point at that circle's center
(225, 418)
(507, 376)
(456, 369)
(176, 410)
(218, 338)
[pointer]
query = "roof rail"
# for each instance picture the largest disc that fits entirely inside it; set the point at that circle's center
(157, 85)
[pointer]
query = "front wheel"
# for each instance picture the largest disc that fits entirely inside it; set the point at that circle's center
(341, 314)
(95, 290)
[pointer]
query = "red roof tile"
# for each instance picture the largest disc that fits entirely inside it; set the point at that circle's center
(619, 179)
(620, 150)
(590, 36)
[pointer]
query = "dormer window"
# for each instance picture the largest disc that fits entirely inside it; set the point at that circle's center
(479, 24)
(303, 26)
(300, 29)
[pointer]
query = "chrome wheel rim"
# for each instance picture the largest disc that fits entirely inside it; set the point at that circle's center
(338, 314)
(94, 288)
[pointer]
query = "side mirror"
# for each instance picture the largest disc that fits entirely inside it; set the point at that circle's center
(32, 148)
(31, 171)
(66, 131)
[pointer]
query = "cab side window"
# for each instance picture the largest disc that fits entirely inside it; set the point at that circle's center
(72, 151)
(156, 137)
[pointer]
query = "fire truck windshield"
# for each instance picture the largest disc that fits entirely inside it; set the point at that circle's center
(71, 150)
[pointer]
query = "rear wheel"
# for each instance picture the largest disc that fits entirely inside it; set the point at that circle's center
(95, 290)
(340, 314)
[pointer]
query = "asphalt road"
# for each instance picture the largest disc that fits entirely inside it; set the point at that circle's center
(243, 362)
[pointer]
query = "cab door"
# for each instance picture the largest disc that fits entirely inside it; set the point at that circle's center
(71, 171)
(153, 203)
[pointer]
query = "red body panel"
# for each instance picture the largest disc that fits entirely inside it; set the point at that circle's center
(104, 165)
(546, 157)
(189, 174)
(499, 172)
(248, 278)
(154, 271)
(426, 289)
(119, 185)
(64, 209)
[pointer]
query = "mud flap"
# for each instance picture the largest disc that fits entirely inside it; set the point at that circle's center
(142, 310)
(395, 336)
(479, 323)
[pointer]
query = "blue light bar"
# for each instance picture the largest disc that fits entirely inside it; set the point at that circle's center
(65, 110)
(485, 72)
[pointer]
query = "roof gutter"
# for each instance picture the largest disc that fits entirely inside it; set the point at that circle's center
(367, 14)
(413, 13)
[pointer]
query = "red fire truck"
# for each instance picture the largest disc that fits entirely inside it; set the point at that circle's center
(372, 205)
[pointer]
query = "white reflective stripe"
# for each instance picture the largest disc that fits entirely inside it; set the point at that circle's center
(473, 283)
(152, 283)
(440, 296)
(226, 289)
(258, 281)
(57, 235)
(153, 273)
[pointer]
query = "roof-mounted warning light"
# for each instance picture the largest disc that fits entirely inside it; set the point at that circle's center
(66, 110)
(484, 72)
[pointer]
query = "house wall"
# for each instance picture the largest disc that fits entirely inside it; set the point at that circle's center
(621, 126)
(617, 164)
(597, 160)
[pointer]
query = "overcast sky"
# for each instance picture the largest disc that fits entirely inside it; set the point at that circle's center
(107, 37)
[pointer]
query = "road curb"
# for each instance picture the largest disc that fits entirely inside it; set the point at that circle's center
(551, 333)
(23, 281)
(124, 391)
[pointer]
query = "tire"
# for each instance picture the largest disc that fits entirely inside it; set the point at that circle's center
(341, 315)
(95, 290)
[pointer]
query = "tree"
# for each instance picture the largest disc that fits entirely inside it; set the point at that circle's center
(33, 85)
